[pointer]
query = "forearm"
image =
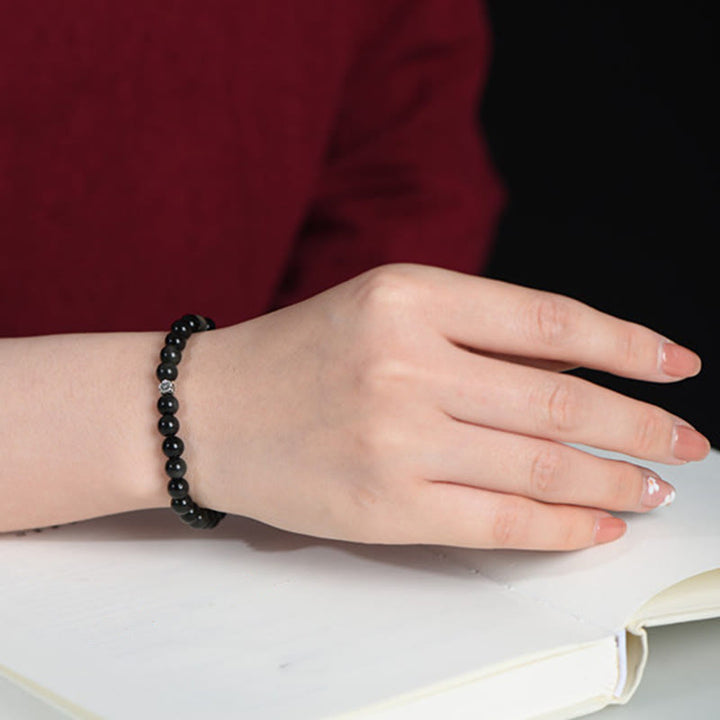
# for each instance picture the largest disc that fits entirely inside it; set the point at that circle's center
(78, 434)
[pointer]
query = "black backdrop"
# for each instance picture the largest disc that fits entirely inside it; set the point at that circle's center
(601, 120)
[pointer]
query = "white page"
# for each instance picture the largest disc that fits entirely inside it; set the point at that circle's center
(139, 616)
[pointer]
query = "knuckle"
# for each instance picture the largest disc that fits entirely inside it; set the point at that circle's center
(558, 407)
(364, 498)
(507, 523)
(649, 429)
(374, 441)
(385, 449)
(622, 487)
(550, 320)
(386, 289)
(385, 375)
(630, 347)
(546, 474)
(386, 327)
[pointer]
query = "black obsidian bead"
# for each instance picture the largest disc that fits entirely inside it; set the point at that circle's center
(201, 520)
(181, 505)
(196, 323)
(175, 467)
(210, 323)
(180, 327)
(166, 371)
(173, 446)
(168, 404)
(178, 487)
(171, 354)
(191, 514)
(168, 425)
(177, 341)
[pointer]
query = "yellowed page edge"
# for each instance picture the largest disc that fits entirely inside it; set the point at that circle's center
(48, 697)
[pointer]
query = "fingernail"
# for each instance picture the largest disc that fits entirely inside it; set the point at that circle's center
(656, 492)
(689, 444)
(677, 361)
(608, 528)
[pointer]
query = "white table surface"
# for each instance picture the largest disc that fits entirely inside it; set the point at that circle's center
(681, 681)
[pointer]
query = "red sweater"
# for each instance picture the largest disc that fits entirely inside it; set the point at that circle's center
(228, 156)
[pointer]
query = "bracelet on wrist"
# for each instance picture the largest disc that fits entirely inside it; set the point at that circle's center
(168, 424)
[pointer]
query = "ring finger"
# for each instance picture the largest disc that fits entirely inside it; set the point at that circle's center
(543, 470)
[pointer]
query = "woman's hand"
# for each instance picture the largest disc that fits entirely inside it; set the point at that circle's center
(418, 405)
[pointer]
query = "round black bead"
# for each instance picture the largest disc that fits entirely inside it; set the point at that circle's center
(175, 467)
(201, 520)
(181, 505)
(210, 323)
(177, 341)
(191, 514)
(171, 354)
(173, 446)
(178, 487)
(168, 404)
(194, 322)
(181, 327)
(168, 424)
(166, 371)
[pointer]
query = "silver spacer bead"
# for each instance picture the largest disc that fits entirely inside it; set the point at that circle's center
(166, 387)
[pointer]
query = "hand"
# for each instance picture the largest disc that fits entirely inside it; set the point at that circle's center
(418, 405)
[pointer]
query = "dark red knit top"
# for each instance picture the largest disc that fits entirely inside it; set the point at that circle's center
(228, 156)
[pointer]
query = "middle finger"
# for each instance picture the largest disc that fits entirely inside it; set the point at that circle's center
(531, 401)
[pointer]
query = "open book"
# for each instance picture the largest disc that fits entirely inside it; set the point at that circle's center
(137, 616)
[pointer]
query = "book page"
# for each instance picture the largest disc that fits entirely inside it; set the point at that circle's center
(696, 598)
(140, 616)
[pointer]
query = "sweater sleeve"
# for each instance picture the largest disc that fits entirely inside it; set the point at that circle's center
(407, 177)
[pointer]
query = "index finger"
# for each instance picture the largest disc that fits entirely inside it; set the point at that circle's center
(499, 317)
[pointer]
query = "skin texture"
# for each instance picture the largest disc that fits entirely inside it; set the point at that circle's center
(408, 405)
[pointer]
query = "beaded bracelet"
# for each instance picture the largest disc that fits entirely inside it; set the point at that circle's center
(168, 425)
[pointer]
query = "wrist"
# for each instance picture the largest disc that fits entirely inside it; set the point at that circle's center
(141, 479)
(87, 398)
(203, 393)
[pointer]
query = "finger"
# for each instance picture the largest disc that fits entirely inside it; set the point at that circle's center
(554, 406)
(543, 470)
(499, 317)
(464, 516)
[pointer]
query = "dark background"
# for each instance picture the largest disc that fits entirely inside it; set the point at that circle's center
(601, 120)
